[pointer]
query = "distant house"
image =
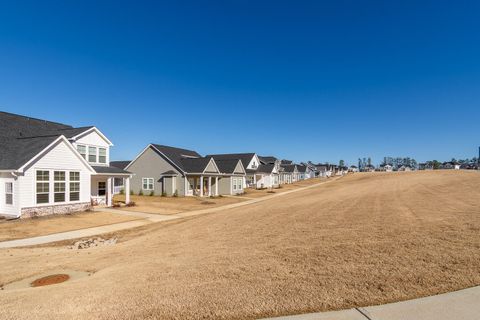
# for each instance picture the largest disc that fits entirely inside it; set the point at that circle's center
(267, 176)
(386, 167)
(404, 168)
(174, 171)
(301, 172)
(369, 168)
(425, 166)
(287, 172)
(353, 168)
(451, 165)
(250, 162)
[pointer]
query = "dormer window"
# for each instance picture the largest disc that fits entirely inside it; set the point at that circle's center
(92, 154)
(102, 155)
(83, 151)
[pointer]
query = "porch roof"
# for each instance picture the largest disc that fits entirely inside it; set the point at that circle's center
(108, 170)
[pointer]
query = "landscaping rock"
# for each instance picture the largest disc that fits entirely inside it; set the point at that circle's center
(93, 242)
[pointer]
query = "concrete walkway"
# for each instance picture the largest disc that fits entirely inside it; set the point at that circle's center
(458, 305)
(147, 219)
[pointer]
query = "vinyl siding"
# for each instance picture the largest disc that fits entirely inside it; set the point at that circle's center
(59, 157)
(4, 208)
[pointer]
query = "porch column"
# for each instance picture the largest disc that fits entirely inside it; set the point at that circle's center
(209, 186)
(201, 186)
(109, 192)
(216, 186)
(127, 190)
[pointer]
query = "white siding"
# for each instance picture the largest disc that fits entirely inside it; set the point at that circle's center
(4, 208)
(93, 139)
(59, 157)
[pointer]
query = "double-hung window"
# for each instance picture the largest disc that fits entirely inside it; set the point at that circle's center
(92, 154)
(147, 183)
(83, 151)
(59, 186)
(8, 192)
(74, 186)
(234, 184)
(102, 155)
(43, 186)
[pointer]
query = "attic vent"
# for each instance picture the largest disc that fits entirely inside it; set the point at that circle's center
(185, 156)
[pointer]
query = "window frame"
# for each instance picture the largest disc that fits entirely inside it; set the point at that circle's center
(85, 149)
(9, 194)
(42, 182)
(90, 154)
(100, 156)
(148, 184)
(61, 184)
(104, 189)
(74, 183)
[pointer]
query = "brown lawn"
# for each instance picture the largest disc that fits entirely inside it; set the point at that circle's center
(361, 240)
(18, 229)
(173, 205)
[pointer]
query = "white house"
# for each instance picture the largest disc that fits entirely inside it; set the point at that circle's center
(52, 168)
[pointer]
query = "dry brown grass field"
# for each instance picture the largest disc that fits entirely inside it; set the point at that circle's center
(364, 239)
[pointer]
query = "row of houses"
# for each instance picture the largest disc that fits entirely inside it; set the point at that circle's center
(172, 171)
(53, 168)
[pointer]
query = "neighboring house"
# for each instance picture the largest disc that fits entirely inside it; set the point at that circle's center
(322, 170)
(267, 176)
(52, 168)
(369, 168)
(301, 172)
(451, 165)
(173, 171)
(425, 166)
(404, 168)
(353, 169)
(250, 162)
(235, 173)
(288, 171)
(310, 171)
(286, 161)
(386, 167)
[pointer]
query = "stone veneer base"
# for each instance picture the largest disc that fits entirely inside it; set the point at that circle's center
(55, 209)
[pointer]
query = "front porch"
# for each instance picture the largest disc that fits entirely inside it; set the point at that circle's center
(103, 186)
(202, 185)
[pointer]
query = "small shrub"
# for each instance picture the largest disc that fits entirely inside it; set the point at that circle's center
(152, 193)
(140, 193)
(131, 204)
(270, 191)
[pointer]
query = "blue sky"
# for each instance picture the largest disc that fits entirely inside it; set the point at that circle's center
(303, 80)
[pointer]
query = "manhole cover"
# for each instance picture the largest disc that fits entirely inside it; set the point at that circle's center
(49, 280)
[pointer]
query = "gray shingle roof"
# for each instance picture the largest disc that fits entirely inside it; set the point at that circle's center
(288, 167)
(267, 159)
(266, 168)
(194, 165)
(109, 170)
(244, 157)
(17, 152)
(120, 164)
(227, 165)
(176, 155)
(22, 138)
(302, 169)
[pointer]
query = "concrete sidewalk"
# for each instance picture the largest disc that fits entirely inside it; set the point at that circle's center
(148, 218)
(458, 305)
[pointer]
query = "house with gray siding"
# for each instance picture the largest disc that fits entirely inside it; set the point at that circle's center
(250, 162)
(170, 171)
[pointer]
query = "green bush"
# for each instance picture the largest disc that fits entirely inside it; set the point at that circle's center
(152, 193)
(140, 193)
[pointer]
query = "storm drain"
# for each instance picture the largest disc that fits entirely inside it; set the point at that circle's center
(49, 280)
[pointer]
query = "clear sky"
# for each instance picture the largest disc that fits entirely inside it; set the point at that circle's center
(319, 80)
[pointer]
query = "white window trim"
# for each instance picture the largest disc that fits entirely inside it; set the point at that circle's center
(9, 193)
(51, 187)
(148, 184)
